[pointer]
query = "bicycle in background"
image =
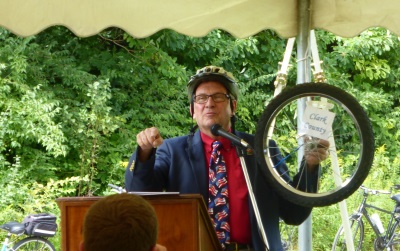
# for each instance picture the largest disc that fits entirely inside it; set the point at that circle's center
(386, 239)
(35, 231)
(117, 189)
(287, 235)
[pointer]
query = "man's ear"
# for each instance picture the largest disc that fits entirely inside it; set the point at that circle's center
(82, 246)
(191, 110)
(234, 103)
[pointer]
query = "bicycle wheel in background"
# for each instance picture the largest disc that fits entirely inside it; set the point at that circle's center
(357, 230)
(288, 233)
(34, 244)
(313, 109)
(395, 238)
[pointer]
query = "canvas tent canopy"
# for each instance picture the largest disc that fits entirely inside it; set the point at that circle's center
(241, 18)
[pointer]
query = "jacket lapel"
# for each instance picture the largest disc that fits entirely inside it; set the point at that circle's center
(195, 152)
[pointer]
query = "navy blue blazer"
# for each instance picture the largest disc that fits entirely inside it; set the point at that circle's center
(178, 165)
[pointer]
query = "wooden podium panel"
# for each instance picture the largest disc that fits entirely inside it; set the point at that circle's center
(183, 220)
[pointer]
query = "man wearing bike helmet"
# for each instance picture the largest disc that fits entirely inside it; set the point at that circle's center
(181, 164)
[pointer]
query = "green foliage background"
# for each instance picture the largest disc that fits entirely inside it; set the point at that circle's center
(71, 107)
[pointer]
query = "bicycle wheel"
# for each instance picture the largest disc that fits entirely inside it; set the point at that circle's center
(291, 124)
(34, 244)
(357, 230)
(394, 243)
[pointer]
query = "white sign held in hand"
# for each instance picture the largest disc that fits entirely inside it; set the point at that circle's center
(317, 122)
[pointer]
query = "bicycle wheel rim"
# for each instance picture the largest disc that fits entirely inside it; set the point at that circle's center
(357, 232)
(34, 244)
(395, 238)
(351, 134)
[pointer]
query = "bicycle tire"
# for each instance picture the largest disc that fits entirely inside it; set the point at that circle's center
(357, 229)
(394, 243)
(34, 243)
(352, 134)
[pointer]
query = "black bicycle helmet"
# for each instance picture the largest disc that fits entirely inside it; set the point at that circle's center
(213, 73)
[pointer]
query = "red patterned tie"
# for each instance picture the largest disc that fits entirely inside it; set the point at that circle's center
(218, 206)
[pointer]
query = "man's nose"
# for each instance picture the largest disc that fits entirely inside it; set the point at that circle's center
(210, 101)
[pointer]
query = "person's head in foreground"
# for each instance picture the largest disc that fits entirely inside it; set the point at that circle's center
(123, 222)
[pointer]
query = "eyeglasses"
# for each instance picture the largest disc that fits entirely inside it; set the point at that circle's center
(217, 97)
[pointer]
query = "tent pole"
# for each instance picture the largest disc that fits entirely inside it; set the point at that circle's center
(304, 76)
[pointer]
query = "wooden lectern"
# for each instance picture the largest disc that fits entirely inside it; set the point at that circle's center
(184, 223)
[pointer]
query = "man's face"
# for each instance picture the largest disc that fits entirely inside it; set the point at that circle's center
(212, 112)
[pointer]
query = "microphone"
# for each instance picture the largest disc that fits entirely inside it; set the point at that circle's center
(217, 130)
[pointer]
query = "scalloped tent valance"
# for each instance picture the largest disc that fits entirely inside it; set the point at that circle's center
(241, 18)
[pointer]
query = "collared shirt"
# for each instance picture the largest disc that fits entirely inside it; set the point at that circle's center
(238, 192)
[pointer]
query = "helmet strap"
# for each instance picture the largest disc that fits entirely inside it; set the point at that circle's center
(233, 120)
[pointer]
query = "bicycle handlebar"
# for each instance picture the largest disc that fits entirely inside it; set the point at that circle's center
(397, 187)
(374, 191)
(117, 188)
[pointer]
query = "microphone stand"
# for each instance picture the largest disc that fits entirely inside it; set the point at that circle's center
(240, 149)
